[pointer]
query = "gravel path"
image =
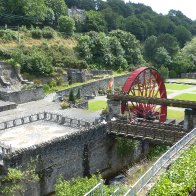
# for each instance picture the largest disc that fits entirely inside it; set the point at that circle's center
(47, 104)
(176, 92)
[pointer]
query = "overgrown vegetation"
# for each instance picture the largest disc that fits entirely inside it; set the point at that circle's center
(180, 179)
(125, 147)
(79, 186)
(15, 180)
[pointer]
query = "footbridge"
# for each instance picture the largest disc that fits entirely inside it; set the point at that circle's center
(157, 133)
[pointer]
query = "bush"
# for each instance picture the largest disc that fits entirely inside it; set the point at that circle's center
(48, 32)
(36, 33)
(80, 186)
(37, 82)
(65, 105)
(52, 83)
(4, 53)
(59, 81)
(46, 88)
(71, 96)
(8, 35)
(66, 25)
(71, 62)
(172, 74)
(78, 95)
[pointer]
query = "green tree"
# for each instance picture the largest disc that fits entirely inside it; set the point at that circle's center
(169, 42)
(95, 22)
(84, 47)
(66, 25)
(35, 11)
(130, 45)
(71, 96)
(162, 57)
(150, 47)
(111, 18)
(182, 34)
(58, 7)
(164, 71)
(78, 95)
(136, 27)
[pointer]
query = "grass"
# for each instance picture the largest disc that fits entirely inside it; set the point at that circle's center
(175, 114)
(186, 80)
(169, 92)
(96, 105)
(186, 96)
(177, 86)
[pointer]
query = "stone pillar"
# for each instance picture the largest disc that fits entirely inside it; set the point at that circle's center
(114, 108)
(189, 119)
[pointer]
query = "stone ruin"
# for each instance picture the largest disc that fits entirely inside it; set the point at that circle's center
(12, 87)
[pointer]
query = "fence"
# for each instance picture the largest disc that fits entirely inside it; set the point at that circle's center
(160, 163)
(46, 116)
(98, 190)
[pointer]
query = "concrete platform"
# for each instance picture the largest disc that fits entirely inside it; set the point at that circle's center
(34, 133)
(6, 105)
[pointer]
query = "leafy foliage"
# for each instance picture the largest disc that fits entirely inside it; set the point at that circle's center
(180, 179)
(125, 147)
(14, 182)
(8, 35)
(66, 25)
(79, 186)
(71, 96)
(119, 49)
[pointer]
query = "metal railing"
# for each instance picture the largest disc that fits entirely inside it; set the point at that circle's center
(98, 190)
(137, 187)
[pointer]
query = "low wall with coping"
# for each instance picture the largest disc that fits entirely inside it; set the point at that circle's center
(188, 75)
(93, 87)
(22, 96)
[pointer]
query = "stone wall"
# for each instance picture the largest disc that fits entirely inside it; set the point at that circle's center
(77, 75)
(93, 87)
(100, 72)
(188, 75)
(79, 154)
(22, 96)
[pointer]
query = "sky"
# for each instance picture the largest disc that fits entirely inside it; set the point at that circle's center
(187, 7)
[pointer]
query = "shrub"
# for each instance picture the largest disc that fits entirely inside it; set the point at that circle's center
(59, 81)
(71, 62)
(37, 82)
(65, 105)
(80, 186)
(4, 53)
(78, 95)
(71, 96)
(172, 74)
(46, 88)
(8, 35)
(52, 83)
(66, 25)
(48, 32)
(36, 33)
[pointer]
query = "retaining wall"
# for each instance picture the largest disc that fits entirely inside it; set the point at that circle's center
(80, 154)
(93, 87)
(22, 96)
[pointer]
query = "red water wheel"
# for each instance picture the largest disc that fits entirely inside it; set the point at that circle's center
(145, 82)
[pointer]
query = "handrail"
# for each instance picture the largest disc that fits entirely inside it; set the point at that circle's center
(98, 186)
(137, 187)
